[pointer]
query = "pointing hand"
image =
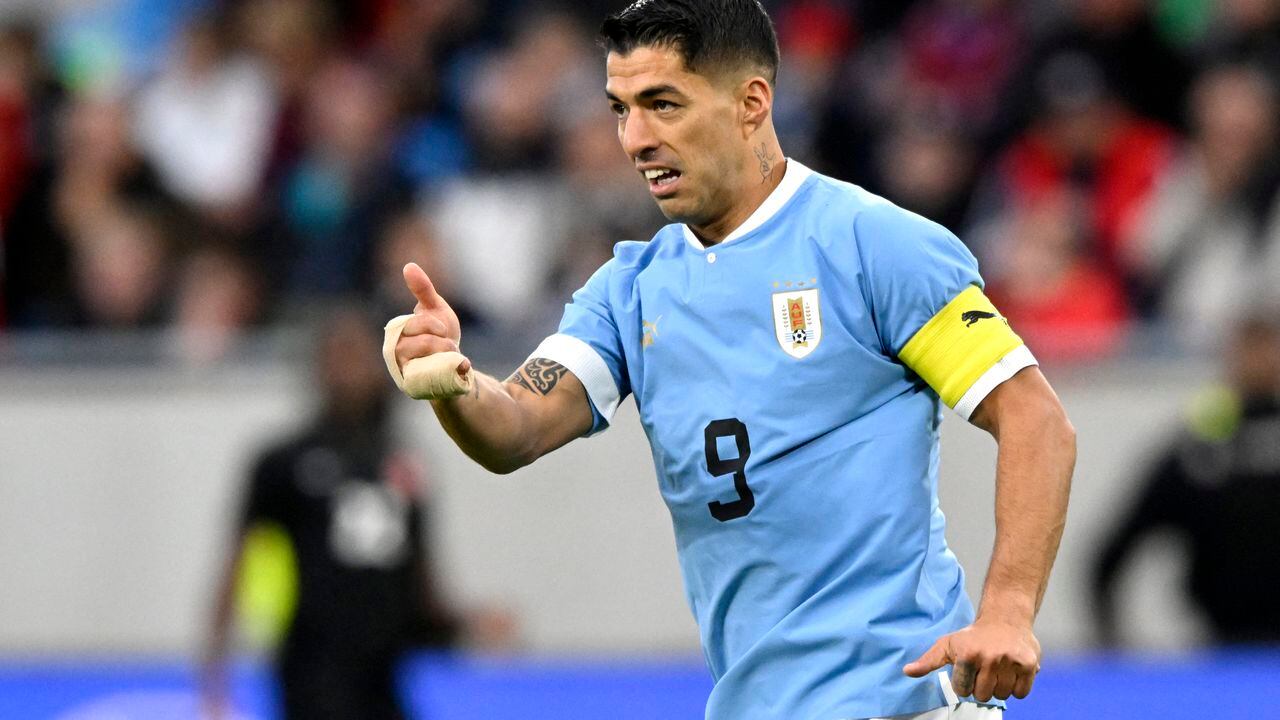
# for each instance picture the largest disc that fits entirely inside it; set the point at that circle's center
(434, 326)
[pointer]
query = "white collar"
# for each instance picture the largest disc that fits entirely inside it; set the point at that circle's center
(794, 175)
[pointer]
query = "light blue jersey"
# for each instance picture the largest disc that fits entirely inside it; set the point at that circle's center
(797, 453)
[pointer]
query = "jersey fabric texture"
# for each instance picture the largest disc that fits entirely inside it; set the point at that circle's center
(796, 451)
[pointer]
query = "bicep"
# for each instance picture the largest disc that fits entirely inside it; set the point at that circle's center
(573, 382)
(553, 402)
(926, 298)
(911, 268)
(1022, 403)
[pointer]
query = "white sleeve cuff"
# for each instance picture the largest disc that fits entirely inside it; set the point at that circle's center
(1005, 368)
(586, 364)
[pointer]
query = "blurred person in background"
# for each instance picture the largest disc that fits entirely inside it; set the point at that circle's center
(324, 109)
(958, 56)
(600, 187)
(502, 261)
(1217, 486)
(293, 39)
(518, 96)
(1208, 244)
(353, 505)
(205, 122)
(1084, 143)
(817, 37)
(16, 141)
(417, 39)
(92, 179)
(1063, 301)
(923, 92)
(419, 48)
(15, 128)
(410, 233)
(525, 101)
(1124, 40)
(217, 298)
(121, 269)
(927, 166)
(1247, 31)
(600, 180)
(331, 202)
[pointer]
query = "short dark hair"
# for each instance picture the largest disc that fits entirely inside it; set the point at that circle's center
(708, 34)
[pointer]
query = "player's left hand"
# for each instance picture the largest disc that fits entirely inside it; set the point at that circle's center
(992, 659)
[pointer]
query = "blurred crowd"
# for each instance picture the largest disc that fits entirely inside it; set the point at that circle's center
(207, 167)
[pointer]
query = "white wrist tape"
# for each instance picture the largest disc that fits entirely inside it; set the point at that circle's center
(433, 377)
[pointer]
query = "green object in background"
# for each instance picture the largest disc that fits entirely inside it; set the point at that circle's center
(1214, 414)
(91, 61)
(1184, 22)
(267, 588)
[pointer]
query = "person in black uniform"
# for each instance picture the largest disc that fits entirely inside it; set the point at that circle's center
(353, 510)
(1218, 486)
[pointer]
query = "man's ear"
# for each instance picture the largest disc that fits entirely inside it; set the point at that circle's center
(756, 102)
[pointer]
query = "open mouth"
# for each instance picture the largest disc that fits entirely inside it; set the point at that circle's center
(661, 179)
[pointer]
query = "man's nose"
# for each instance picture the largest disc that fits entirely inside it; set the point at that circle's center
(638, 138)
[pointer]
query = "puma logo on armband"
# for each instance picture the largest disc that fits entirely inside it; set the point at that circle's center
(973, 316)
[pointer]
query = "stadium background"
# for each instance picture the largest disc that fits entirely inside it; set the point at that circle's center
(187, 185)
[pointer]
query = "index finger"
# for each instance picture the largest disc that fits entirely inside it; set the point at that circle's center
(964, 677)
(935, 657)
(420, 285)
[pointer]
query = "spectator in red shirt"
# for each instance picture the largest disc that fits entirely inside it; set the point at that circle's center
(1085, 141)
(1060, 300)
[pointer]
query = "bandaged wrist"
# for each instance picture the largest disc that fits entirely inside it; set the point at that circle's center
(434, 377)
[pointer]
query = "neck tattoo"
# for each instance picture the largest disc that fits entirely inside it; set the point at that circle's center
(766, 159)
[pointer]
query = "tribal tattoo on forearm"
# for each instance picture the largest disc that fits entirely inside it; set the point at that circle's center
(539, 376)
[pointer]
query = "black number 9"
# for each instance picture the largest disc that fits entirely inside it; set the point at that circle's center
(717, 466)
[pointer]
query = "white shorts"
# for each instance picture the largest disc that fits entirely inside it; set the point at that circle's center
(960, 711)
(954, 710)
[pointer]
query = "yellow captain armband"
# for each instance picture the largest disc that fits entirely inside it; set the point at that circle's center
(965, 351)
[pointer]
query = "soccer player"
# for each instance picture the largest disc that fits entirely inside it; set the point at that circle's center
(789, 341)
(355, 513)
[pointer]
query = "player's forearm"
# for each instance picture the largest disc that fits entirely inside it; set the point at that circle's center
(219, 640)
(1033, 479)
(490, 426)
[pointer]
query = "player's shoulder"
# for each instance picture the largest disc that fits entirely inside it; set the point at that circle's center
(870, 215)
(635, 255)
(632, 253)
(616, 278)
(860, 229)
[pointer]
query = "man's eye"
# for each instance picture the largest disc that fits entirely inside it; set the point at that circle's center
(663, 105)
(619, 109)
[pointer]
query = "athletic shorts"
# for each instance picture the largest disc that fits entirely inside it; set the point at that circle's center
(955, 710)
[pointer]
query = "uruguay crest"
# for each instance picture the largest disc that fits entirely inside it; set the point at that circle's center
(797, 321)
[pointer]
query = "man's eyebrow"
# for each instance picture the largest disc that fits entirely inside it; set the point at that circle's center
(648, 93)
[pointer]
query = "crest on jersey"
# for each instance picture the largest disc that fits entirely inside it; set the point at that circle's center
(797, 321)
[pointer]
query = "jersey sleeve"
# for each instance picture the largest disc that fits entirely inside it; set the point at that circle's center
(589, 346)
(926, 298)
